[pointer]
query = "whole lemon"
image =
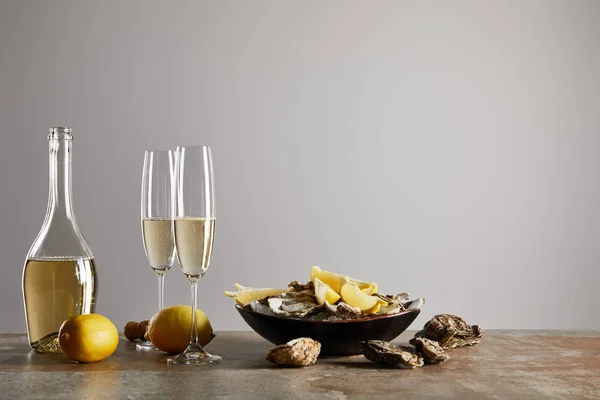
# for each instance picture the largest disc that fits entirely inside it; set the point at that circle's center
(169, 329)
(88, 337)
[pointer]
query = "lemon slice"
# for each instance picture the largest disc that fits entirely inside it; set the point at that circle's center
(324, 292)
(247, 295)
(367, 287)
(240, 287)
(335, 280)
(355, 297)
(330, 278)
(375, 308)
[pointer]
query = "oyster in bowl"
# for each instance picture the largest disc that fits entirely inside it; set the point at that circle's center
(338, 311)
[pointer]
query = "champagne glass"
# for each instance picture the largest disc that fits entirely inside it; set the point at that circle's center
(194, 229)
(157, 227)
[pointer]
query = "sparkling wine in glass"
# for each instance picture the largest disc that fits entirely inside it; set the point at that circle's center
(194, 229)
(157, 227)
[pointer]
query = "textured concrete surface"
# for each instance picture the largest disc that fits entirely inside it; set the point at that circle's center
(506, 365)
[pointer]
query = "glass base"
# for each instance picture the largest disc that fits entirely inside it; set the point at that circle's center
(194, 355)
(146, 346)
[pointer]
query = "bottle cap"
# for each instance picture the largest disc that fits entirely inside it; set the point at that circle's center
(60, 132)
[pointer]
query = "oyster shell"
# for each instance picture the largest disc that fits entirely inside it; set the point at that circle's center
(399, 303)
(430, 350)
(390, 355)
(391, 308)
(259, 307)
(387, 299)
(285, 307)
(400, 297)
(302, 296)
(415, 303)
(343, 310)
(299, 352)
(299, 287)
(450, 331)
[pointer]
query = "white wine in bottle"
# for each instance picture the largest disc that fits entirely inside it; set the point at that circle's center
(59, 276)
(194, 241)
(54, 291)
(159, 243)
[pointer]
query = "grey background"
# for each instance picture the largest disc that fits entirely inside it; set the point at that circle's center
(449, 149)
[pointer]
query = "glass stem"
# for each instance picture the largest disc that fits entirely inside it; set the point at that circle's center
(161, 291)
(194, 333)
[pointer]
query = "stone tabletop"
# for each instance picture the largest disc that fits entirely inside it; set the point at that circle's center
(505, 365)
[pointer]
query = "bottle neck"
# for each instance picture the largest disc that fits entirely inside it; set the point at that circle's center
(60, 236)
(60, 200)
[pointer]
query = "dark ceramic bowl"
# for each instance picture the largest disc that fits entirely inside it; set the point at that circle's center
(337, 338)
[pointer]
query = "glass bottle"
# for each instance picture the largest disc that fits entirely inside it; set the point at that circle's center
(59, 276)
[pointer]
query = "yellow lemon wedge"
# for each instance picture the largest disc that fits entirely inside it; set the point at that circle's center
(335, 280)
(367, 287)
(375, 308)
(169, 329)
(240, 287)
(355, 297)
(324, 292)
(330, 278)
(246, 295)
(88, 338)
